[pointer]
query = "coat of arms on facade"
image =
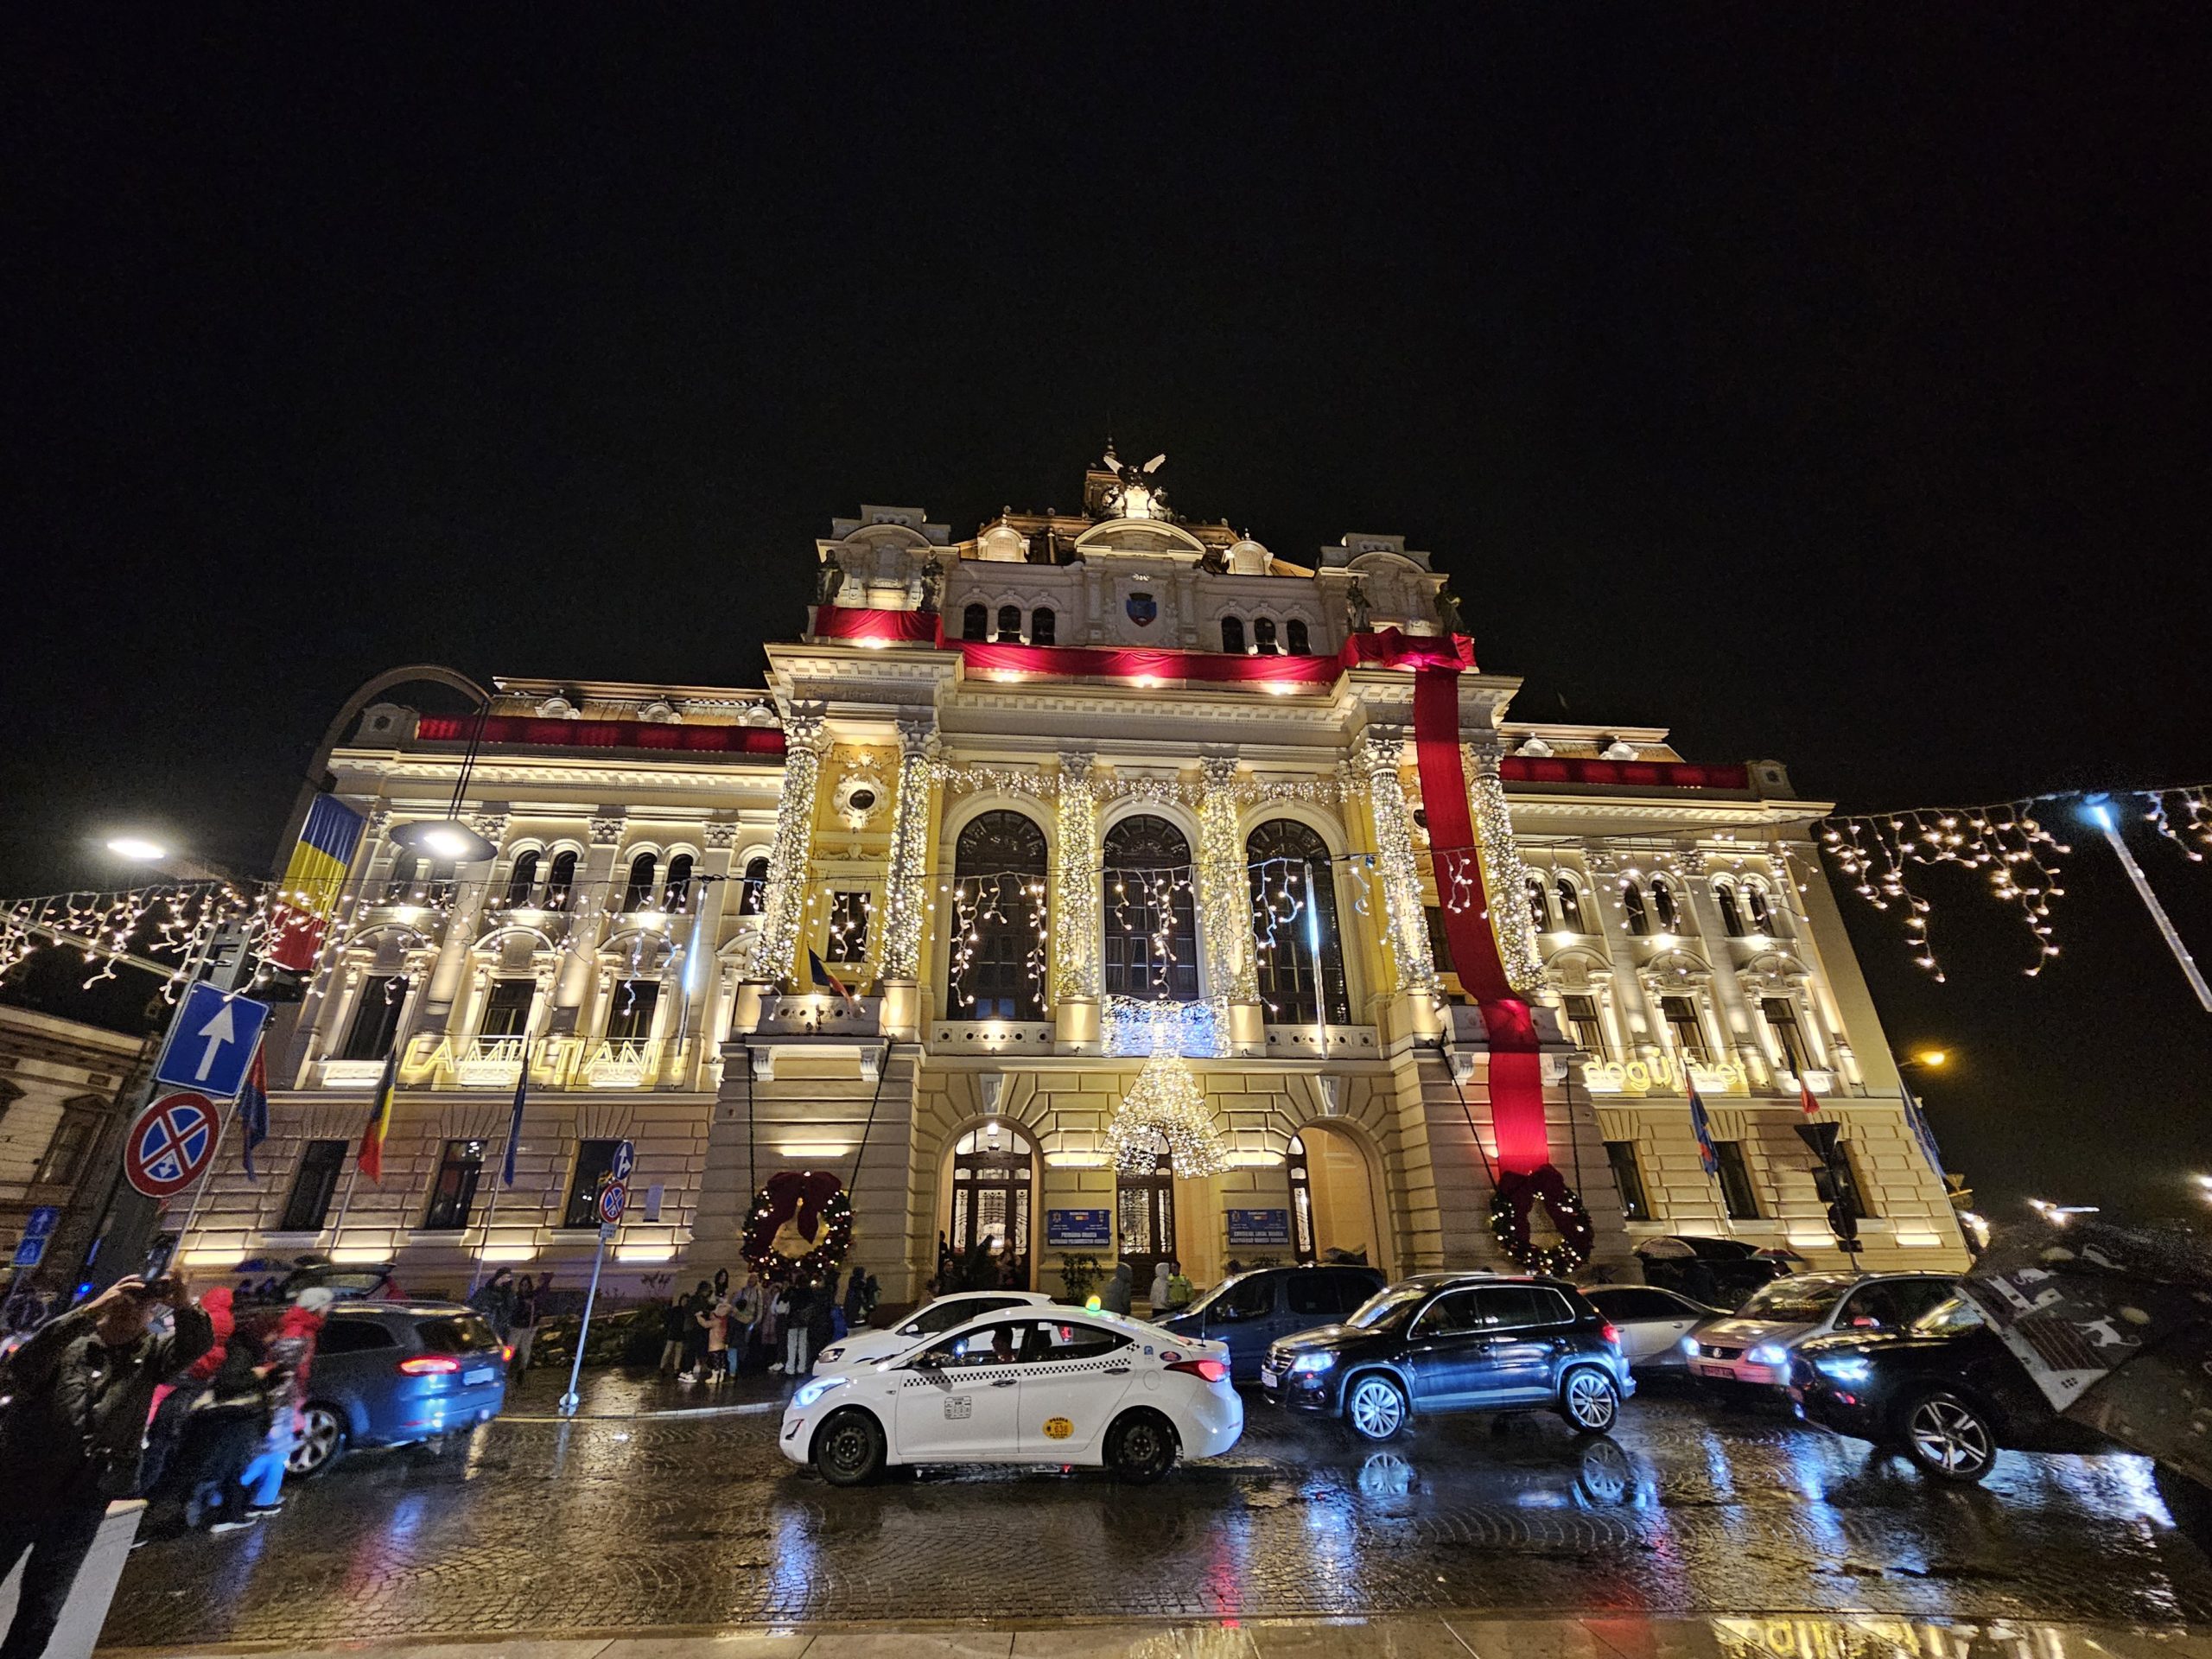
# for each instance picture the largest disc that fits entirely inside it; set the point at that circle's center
(1143, 609)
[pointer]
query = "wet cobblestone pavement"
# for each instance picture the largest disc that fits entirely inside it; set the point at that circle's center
(623, 1523)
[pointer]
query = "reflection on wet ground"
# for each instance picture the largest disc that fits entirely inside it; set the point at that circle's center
(622, 1523)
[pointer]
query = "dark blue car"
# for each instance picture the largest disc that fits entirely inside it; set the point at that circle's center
(396, 1373)
(1252, 1310)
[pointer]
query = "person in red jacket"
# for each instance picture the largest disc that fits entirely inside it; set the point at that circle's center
(291, 1352)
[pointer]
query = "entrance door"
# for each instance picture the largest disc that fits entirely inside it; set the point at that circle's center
(1146, 1214)
(991, 1193)
(966, 1405)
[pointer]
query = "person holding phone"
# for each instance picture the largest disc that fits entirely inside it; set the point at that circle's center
(78, 1393)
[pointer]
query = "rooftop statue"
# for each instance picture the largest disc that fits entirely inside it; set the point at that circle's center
(1135, 496)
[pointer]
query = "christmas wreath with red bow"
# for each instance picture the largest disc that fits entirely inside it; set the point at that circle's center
(1517, 1195)
(818, 1208)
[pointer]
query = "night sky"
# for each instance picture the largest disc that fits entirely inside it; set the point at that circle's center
(1827, 383)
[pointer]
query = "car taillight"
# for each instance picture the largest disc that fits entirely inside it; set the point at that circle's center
(429, 1365)
(1212, 1370)
(1611, 1333)
(507, 1352)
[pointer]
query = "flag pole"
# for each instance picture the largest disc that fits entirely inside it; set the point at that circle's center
(522, 1082)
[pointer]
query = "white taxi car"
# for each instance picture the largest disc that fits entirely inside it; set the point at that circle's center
(932, 1319)
(1052, 1385)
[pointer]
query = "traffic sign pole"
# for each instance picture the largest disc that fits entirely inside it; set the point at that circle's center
(571, 1400)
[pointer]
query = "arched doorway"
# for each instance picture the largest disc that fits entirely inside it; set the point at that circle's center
(1332, 1199)
(1145, 1214)
(994, 1182)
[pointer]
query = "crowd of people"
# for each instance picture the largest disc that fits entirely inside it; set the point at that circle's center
(716, 1331)
(144, 1391)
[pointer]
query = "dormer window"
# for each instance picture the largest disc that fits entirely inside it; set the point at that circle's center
(975, 623)
(1301, 642)
(1009, 625)
(1264, 636)
(1043, 625)
(1232, 635)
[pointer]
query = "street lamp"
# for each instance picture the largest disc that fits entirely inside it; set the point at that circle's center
(144, 849)
(1932, 1059)
(447, 840)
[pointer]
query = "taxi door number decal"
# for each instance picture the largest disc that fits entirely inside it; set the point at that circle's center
(1058, 1428)
(959, 1406)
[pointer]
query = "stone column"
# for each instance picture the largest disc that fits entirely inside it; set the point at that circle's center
(1639, 1040)
(588, 902)
(702, 980)
(1077, 967)
(906, 883)
(791, 857)
(447, 979)
(1505, 876)
(1738, 1034)
(1225, 894)
(1408, 933)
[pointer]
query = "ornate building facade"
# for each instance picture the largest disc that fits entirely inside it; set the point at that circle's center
(1078, 793)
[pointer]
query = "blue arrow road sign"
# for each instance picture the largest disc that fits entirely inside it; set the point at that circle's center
(625, 1160)
(211, 1043)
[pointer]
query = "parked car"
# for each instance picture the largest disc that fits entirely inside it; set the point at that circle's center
(1022, 1385)
(1456, 1341)
(930, 1319)
(1752, 1346)
(1718, 1272)
(1652, 1323)
(1944, 1390)
(1252, 1310)
(396, 1373)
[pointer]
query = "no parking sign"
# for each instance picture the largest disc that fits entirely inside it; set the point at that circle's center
(172, 1141)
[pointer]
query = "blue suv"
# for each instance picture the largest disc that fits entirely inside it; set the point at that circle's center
(1252, 1310)
(1456, 1342)
(395, 1374)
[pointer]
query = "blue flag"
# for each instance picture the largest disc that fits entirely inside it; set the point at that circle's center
(1702, 1127)
(1926, 1132)
(514, 1124)
(253, 1110)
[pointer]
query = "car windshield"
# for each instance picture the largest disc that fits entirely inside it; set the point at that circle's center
(1804, 1298)
(1385, 1305)
(1948, 1318)
(459, 1333)
(943, 1316)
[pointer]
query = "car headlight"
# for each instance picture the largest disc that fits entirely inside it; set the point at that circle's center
(810, 1392)
(1845, 1368)
(1770, 1353)
(1310, 1362)
(1689, 1345)
(834, 1351)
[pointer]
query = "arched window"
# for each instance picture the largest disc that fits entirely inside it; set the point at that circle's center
(639, 893)
(975, 623)
(522, 880)
(1044, 625)
(1639, 919)
(1662, 905)
(1570, 907)
(398, 888)
(1755, 903)
(1263, 635)
(1294, 925)
(1732, 919)
(1009, 625)
(561, 882)
(677, 894)
(1152, 931)
(1232, 635)
(994, 1176)
(1540, 913)
(752, 891)
(1301, 642)
(998, 906)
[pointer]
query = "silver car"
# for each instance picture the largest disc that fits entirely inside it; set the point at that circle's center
(1752, 1345)
(1652, 1323)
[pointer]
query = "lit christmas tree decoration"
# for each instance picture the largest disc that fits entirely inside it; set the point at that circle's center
(1167, 1103)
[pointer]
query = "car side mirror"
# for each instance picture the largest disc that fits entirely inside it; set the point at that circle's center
(927, 1363)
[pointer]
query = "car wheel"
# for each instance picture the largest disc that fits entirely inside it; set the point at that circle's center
(1141, 1447)
(1374, 1407)
(1589, 1402)
(1948, 1437)
(321, 1442)
(849, 1449)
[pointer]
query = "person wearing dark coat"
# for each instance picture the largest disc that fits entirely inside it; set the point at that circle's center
(821, 1318)
(1115, 1297)
(78, 1393)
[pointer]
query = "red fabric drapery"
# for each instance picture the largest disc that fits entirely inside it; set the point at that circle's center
(892, 627)
(1392, 648)
(1147, 663)
(528, 731)
(1516, 1089)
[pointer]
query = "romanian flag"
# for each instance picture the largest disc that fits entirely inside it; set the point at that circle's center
(1702, 1127)
(307, 897)
(824, 980)
(1806, 1101)
(253, 1108)
(380, 1119)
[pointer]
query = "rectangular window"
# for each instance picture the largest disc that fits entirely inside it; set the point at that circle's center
(376, 1018)
(313, 1184)
(454, 1193)
(595, 1162)
(65, 1151)
(1781, 1019)
(1689, 1035)
(1736, 1190)
(631, 1018)
(849, 913)
(1589, 1029)
(1628, 1176)
(506, 1011)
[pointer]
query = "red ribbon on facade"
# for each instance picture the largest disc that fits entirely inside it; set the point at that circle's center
(1516, 1086)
